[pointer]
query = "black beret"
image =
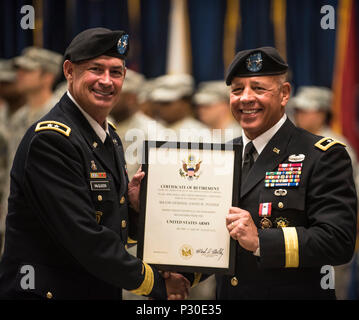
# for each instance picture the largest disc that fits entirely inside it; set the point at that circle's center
(95, 42)
(265, 61)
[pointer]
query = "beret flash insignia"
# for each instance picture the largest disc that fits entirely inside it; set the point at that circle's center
(254, 62)
(122, 44)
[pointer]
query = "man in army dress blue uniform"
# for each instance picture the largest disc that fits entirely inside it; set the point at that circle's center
(297, 207)
(71, 207)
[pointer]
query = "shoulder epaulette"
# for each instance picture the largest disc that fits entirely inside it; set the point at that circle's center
(325, 143)
(111, 124)
(53, 125)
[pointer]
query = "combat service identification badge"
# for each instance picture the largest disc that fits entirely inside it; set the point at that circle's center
(296, 158)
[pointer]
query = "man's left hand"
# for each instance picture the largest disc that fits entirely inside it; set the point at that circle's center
(134, 189)
(241, 227)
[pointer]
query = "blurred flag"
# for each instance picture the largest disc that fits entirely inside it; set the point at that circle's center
(179, 44)
(346, 74)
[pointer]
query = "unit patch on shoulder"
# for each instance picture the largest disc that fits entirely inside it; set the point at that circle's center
(325, 143)
(53, 125)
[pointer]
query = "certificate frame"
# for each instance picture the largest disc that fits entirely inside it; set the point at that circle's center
(143, 229)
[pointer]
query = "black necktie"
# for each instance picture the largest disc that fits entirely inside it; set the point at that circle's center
(111, 152)
(248, 160)
(108, 143)
(110, 147)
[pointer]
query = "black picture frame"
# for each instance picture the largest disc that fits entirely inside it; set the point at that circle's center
(143, 196)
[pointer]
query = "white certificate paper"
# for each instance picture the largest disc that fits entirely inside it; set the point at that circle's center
(189, 193)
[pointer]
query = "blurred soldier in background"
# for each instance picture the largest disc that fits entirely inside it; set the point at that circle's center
(172, 95)
(10, 101)
(132, 125)
(144, 102)
(312, 111)
(37, 70)
(212, 107)
(10, 97)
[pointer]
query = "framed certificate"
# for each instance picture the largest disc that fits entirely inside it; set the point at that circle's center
(186, 194)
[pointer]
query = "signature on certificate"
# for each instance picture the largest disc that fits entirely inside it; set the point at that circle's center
(211, 252)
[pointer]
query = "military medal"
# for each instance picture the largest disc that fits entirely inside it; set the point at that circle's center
(265, 210)
(266, 223)
(287, 175)
(98, 175)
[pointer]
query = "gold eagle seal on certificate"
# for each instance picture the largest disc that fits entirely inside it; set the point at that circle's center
(186, 251)
(190, 168)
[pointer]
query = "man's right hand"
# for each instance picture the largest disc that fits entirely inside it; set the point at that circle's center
(177, 286)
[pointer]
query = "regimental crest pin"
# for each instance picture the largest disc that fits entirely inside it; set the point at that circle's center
(122, 44)
(281, 222)
(190, 168)
(93, 165)
(254, 62)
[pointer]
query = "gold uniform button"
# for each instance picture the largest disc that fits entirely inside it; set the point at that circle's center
(234, 281)
(99, 197)
(122, 201)
(123, 224)
(49, 295)
(280, 205)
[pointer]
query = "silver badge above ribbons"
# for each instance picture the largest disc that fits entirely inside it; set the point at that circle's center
(296, 158)
(280, 192)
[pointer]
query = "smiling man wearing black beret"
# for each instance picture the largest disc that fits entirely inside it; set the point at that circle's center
(71, 207)
(296, 216)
